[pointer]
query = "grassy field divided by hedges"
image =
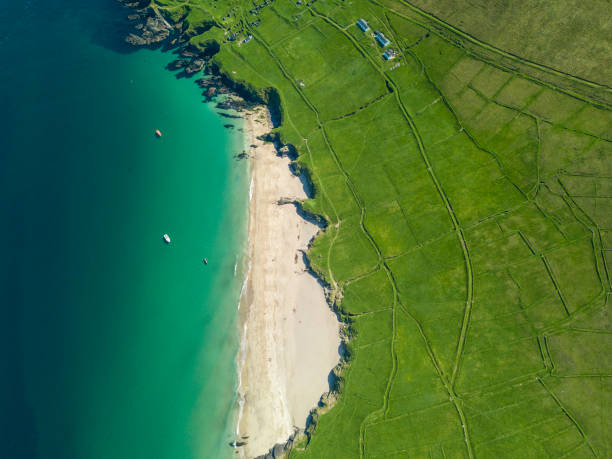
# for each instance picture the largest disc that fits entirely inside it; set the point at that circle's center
(568, 35)
(468, 191)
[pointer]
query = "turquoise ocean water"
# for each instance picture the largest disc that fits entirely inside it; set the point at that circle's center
(112, 343)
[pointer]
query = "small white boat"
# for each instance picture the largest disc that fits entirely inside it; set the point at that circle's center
(167, 238)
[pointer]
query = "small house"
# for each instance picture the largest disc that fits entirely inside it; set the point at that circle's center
(390, 54)
(381, 39)
(363, 25)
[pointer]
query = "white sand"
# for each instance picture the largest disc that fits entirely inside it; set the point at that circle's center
(292, 337)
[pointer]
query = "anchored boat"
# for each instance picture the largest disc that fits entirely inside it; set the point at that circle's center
(158, 133)
(167, 239)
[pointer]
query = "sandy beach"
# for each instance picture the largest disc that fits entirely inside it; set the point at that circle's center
(290, 335)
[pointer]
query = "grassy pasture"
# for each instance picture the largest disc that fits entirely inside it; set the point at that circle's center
(564, 35)
(469, 202)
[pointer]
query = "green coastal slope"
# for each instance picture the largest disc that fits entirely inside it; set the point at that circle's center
(468, 191)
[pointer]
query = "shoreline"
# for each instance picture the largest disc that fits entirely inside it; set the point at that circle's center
(289, 336)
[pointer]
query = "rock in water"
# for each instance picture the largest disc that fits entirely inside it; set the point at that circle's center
(152, 30)
(177, 64)
(210, 93)
(195, 66)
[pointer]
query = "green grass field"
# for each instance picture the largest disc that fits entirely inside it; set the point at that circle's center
(467, 184)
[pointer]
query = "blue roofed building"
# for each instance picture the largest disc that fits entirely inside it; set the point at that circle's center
(381, 39)
(363, 25)
(390, 54)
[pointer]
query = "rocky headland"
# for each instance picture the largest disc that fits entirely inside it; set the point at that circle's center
(149, 26)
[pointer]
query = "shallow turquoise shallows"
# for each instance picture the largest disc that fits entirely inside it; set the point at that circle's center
(113, 344)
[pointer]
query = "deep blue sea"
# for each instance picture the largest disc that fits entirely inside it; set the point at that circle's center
(113, 344)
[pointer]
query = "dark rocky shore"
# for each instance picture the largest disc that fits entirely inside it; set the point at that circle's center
(151, 29)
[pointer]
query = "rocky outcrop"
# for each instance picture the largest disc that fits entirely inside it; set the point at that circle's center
(234, 103)
(189, 66)
(189, 52)
(212, 81)
(150, 30)
(213, 86)
(150, 27)
(195, 66)
(281, 450)
(177, 64)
